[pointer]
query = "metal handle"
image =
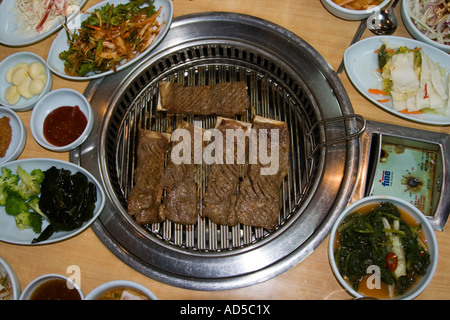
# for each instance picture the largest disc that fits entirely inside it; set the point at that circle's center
(324, 122)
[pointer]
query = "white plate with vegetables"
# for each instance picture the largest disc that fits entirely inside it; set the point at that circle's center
(56, 201)
(361, 64)
(19, 29)
(116, 47)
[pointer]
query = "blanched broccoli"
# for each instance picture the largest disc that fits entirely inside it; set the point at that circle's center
(19, 195)
(7, 179)
(30, 184)
(29, 220)
(25, 212)
(15, 204)
(33, 204)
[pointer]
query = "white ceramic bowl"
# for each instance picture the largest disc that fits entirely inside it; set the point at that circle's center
(18, 135)
(98, 291)
(416, 33)
(349, 14)
(13, 60)
(29, 289)
(15, 284)
(417, 215)
(51, 101)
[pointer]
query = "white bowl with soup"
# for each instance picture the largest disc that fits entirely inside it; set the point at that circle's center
(383, 247)
(52, 287)
(354, 9)
(121, 290)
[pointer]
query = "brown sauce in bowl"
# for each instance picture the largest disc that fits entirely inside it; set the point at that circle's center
(64, 125)
(5, 135)
(55, 289)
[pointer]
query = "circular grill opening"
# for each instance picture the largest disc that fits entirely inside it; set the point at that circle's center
(287, 80)
(272, 94)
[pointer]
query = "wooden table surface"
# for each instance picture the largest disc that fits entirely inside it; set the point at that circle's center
(310, 279)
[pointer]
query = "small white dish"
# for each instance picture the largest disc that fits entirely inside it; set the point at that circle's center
(96, 293)
(361, 63)
(60, 43)
(415, 32)
(50, 102)
(8, 230)
(349, 14)
(13, 60)
(6, 269)
(416, 214)
(18, 135)
(33, 285)
(15, 33)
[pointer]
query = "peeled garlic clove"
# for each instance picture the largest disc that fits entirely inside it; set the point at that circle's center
(36, 69)
(19, 75)
(23, 88)
(42, 77)
(36, 86)
(11, 70)
(12, 94)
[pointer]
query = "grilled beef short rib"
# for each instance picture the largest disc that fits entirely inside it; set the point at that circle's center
(144, 200)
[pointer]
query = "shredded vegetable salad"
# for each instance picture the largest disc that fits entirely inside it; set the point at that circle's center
(42, 14)
(432, 18)
(110, 36)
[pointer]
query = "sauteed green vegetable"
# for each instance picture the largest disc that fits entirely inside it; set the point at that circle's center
(382, 238)
(110, 36)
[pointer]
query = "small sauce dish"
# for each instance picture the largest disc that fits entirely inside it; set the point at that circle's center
(62, 120)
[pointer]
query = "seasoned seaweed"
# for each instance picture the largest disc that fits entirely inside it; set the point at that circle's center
(68, 200)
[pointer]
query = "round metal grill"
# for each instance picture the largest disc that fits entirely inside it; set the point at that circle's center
(288, 81)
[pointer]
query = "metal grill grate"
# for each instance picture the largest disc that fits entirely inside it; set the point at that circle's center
(272, 94)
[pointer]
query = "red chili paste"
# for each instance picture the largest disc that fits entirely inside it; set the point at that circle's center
(64, 125)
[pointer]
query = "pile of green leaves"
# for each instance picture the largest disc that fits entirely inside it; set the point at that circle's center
(363, 242)
(81, 57)
(115, 15)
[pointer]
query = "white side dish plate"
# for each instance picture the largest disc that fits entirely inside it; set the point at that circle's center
(8, 229)
(361, 63)
(60, 43)
(12, 35)
(18, 135)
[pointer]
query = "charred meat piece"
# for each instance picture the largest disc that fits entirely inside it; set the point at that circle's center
(226, 99)
(144, 200)
(181, 204)
(258, 201)
(223, 177)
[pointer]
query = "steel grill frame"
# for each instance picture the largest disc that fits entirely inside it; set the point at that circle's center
(302, 91)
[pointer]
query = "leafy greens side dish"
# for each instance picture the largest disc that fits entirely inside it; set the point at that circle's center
(111, 36)
(382, 238)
